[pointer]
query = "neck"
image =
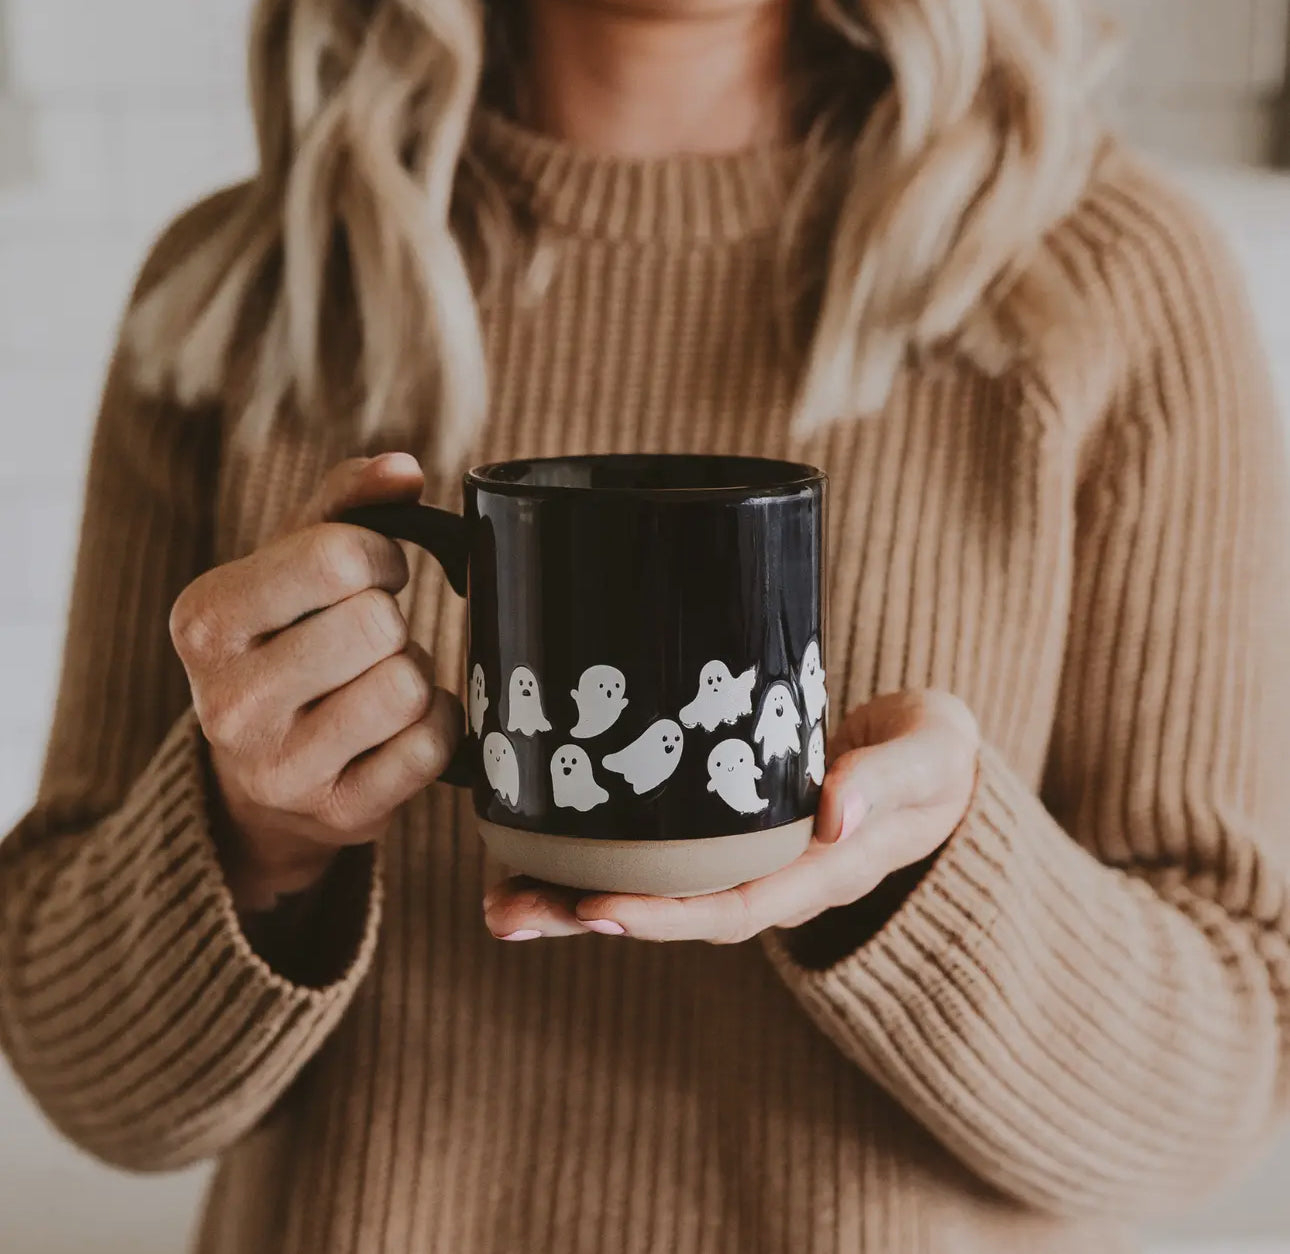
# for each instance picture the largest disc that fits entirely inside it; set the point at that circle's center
(640, 79)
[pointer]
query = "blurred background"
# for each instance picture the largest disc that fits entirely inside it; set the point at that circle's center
(114, 115)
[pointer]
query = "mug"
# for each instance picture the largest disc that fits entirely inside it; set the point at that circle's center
(645, 687)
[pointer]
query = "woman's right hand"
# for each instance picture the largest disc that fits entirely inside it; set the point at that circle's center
(321, 713)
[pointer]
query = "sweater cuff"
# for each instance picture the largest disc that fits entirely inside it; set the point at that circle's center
(919, 1003)
(138, 976)
(1057, 1024)
(204, 897)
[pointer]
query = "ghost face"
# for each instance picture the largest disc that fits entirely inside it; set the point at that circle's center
(651, 759)
(601, 696)
(733, 776)
(573, 786)
(524, 707)
(501, 768)
(811, 676)
(722, 697)
(777, 726)
(815, 757)
(478, 699)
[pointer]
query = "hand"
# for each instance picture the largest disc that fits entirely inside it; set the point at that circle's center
(321, 714)
(903, 774)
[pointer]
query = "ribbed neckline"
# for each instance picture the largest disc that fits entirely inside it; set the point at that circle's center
(684, 198)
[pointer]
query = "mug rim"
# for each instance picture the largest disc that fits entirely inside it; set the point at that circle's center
(796, 476)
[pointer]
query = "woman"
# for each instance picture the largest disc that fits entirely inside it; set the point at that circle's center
(1029, 983)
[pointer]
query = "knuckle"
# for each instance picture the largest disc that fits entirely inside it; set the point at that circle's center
(380, 622)
(407, 690)
(340, 808)
(227, 718)
(953, 713)
(342, 474)
(740, 924)
(340, 557)
(193, 629)
(267, 782)
(427, 751)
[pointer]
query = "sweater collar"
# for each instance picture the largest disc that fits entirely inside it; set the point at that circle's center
(686, 198)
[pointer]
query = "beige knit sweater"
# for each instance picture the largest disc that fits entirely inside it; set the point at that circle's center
(1076, 1016)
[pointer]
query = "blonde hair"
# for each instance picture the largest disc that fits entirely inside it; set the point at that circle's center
(342, 276)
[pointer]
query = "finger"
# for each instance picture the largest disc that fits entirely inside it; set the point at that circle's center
(361, 481)
(323, 652)
(822, 877)
(370, 788)
(878, 720)
(378, 705)
(228, 608)
(525, 909)
(907, 771)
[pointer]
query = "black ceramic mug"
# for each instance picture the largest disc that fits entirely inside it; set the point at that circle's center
(645, 688)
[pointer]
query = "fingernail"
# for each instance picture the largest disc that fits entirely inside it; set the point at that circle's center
(525, 933)
(606, 927)
(852, 815)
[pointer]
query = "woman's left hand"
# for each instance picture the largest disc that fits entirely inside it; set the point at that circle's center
(902, 777)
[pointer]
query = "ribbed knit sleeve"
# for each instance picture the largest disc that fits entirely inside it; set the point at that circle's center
(131, 1005)
(1086, 997)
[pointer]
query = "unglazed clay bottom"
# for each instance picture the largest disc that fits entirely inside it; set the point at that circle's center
(659, 868)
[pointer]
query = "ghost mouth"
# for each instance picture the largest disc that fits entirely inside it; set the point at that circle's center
(668, 748)
(568, 770)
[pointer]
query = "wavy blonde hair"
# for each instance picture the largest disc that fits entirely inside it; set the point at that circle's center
(341, 277)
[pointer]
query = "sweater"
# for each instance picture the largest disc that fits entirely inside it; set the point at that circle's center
(1075, 1017)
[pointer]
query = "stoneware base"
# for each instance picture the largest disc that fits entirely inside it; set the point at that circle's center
(660, 868)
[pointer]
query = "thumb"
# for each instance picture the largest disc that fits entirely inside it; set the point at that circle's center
(361, 481)
(902, 772)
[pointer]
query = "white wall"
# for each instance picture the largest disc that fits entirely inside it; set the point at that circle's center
(1205, 77)
(136, 108)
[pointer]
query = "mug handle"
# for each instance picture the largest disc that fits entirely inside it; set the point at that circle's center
(439, 532)
(444, 535)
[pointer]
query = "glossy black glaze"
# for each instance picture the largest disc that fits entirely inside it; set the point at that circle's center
(655, 566)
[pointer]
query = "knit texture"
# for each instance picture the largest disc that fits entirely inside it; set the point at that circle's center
(1075, 1017)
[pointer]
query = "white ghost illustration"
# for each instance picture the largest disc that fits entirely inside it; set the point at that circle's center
(651, 758)
(572, 784)
(478, 699)
(777, 727)
(733, 776)
(811, 676)
(600, 696)
(501, 768)
(815, 756)
(525, 705)
(722, 697)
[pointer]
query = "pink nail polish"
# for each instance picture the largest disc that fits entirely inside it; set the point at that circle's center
(853, 814)
(525, 933)
(606, 927)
